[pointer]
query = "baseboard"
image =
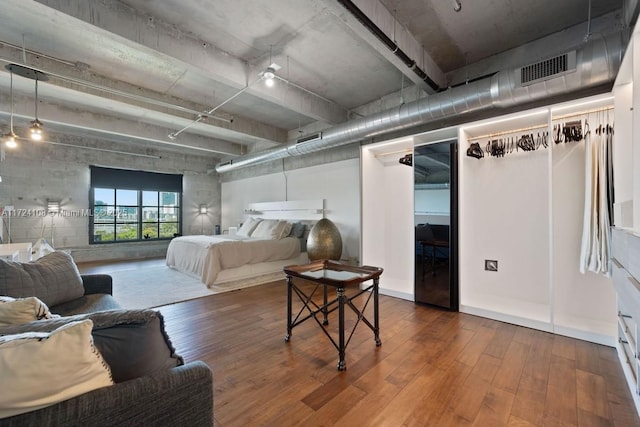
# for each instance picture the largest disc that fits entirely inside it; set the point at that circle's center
(585, 335)
(520, 321)
(396, 294)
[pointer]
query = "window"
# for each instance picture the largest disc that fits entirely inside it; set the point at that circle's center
(134, 205)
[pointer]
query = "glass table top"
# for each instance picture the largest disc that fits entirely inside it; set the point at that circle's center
(333, 274)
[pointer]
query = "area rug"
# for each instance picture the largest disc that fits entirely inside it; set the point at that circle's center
(154, 286)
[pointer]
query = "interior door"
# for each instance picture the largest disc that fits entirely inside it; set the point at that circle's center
(435, 221)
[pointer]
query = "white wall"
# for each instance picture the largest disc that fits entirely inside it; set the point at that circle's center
(581, 302)
(504, 216)
(388, 239)
(623, 155)
(525, 210)
(337, 183)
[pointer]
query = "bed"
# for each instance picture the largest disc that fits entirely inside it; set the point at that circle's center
(257, 252)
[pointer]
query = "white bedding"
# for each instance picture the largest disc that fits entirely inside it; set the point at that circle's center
(206, 256)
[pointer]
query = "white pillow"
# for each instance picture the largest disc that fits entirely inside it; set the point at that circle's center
(39, 369)
(272, 229)
(247, 227)
(15, 311)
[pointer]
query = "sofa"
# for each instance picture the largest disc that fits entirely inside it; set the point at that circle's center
(149, 383)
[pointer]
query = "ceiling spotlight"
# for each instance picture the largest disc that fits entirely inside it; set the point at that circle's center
(457, 6)
(269, 75)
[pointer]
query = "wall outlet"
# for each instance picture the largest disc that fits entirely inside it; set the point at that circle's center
(490, 265)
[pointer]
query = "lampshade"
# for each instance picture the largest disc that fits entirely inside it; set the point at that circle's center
(324, 241)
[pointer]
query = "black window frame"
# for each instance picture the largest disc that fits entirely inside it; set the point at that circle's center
(139, 181)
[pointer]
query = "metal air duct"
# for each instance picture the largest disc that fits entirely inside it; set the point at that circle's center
(597, 63)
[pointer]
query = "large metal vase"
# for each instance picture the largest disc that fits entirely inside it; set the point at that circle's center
(324, 241)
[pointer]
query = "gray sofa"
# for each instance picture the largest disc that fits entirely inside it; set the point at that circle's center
(153, 386)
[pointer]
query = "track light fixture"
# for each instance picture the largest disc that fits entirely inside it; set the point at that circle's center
(268, 74)
(457, 6)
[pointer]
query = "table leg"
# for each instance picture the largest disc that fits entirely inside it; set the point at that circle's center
(289, 314)
(422, 256)
(433, 261)
(341, 350)
(325, 310)
(376, 318)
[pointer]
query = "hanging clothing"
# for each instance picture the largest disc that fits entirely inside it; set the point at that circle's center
(596, 233)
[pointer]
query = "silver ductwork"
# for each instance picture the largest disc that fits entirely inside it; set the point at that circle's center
(597, 63)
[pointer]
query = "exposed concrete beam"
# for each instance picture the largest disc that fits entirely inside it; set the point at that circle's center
(133, 36)
(384, 20)
(61, 118)
(241, 130)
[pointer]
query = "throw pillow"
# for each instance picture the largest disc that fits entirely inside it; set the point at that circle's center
(54, 279)
(42, 369)
(247, 227)
(133, 342)
(22, 310)
(297, 230)
(271, 229)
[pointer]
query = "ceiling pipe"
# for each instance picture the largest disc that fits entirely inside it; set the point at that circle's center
(393, 46)
(597, 63)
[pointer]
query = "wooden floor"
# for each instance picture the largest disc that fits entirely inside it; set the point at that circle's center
(434, 368)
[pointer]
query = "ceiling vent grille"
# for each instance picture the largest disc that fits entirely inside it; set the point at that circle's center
(308, 138)
(548, 69)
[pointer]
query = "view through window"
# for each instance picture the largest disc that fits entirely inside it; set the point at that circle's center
(122, 214)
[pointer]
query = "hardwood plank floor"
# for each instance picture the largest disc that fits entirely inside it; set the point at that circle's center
(434, 368)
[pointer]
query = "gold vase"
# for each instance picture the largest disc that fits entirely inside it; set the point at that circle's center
(324, 241)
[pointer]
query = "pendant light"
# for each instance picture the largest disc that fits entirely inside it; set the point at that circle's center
(35, 130)
(10, 138)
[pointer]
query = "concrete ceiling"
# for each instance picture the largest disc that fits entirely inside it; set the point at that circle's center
(138, 70)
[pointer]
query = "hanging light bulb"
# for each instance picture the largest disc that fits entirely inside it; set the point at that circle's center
(35, 130)
(269, 76)
(10, 140)
(10, 137)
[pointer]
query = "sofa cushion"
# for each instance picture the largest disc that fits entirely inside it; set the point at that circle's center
(133, 342)
(41, 369)
(86, 304)
(53, 278)
(14, 311)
